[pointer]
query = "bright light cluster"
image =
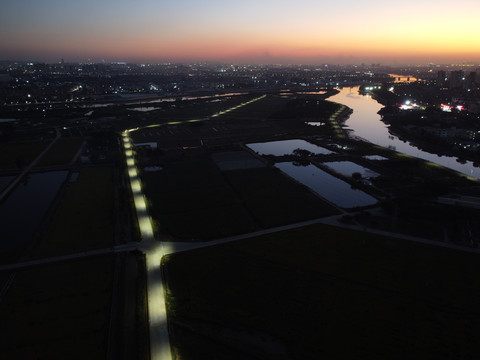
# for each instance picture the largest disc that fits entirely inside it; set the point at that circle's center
(144, 221)
(449, 108)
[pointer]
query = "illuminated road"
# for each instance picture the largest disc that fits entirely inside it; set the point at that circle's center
(157, 312)
(154, 250)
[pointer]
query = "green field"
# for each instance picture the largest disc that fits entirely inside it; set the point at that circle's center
(20, 154)
(192, 199)
(62, 152)
(85, 218)
(274, 199)
(58, 311)
(324, 293)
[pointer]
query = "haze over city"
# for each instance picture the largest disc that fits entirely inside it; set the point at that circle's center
(304, 31)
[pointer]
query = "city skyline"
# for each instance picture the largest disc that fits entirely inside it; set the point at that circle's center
(270, 32)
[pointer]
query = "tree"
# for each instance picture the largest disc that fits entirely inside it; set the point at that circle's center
(357, 176)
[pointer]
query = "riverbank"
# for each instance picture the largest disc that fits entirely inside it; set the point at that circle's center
(366, 123)
(430, 144)
(407, 132)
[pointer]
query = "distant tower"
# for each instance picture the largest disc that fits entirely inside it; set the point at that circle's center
(456, 79)
(469, 83)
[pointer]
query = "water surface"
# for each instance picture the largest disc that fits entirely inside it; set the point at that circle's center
(22, 211)
(286, 147)
(348, 168)
(327, 186)
(4, 181)
(366, 123)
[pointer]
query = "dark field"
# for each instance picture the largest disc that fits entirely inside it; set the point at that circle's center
(19, 154)
(60, 310)
(85, 218)
(324, 293)
(62, 152)
(192, 199)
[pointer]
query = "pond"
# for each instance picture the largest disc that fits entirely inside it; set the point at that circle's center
(286, 147)
(327, 186)
(145, 108)
(22, 211)
(375, 157)
(348, 168)
(4, 181)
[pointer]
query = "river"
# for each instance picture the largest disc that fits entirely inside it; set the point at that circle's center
(366, 123)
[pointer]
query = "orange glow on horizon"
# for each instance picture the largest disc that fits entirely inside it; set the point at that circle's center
(302, 31)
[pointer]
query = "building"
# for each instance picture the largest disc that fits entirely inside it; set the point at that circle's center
(457, 79)
(441, 78)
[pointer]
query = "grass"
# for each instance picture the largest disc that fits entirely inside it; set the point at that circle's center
(19, 154)
(61, 153)
(324, 292)
(58, 311)
(192, 199)
(274, 199)
(85, 218)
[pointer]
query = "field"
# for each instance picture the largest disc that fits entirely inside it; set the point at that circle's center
(20, 154)
(274, 199)
(84, 219)
(62, 152)
(192, 199)
(59, 311)
(324, 292)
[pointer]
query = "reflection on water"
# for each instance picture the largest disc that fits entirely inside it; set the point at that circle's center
(403, 78)
(144, 108)
(4, 181)
(286, 147)
(348, 168)
(23, 210)
(375, 157)
(367, 124)
(315, 123)
(327, 186)
(311, 92)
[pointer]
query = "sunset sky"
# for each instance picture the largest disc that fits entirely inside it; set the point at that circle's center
(263, 31)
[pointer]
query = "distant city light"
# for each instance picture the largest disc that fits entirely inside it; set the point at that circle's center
(446, 108)
(408, 105)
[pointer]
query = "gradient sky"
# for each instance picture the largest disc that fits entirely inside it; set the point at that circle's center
(296, 31)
